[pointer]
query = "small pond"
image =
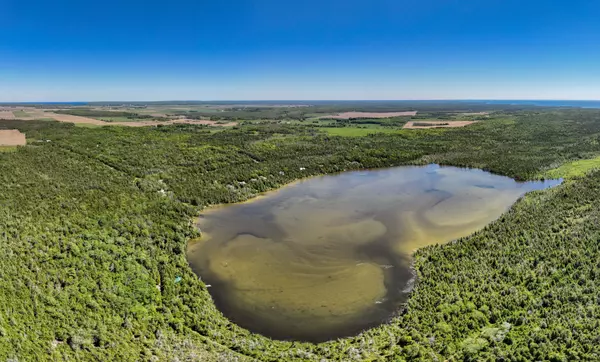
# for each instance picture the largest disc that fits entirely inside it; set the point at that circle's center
(330, 256)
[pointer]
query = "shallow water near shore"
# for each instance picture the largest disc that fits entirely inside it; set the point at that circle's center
(330, 256)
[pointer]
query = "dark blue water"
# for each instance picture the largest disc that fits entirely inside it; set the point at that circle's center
(399, 103)
(547, 103)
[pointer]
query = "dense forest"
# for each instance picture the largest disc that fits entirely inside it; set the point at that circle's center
(95, 221)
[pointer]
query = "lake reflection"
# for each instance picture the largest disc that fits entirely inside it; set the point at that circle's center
(330, 256)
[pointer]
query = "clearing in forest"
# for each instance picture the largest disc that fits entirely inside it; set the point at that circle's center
(574, 169)
(353, 115)
(12, 137)
(436, 124)
(356, 131)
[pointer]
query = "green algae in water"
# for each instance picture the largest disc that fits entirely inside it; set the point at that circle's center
(330, 256)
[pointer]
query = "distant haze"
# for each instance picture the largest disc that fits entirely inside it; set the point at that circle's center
(400, 104)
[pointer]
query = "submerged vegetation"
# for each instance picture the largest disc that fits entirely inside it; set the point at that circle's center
(330, 256)
(94, 224)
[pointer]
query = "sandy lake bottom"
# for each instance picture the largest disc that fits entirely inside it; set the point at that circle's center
(330, 256)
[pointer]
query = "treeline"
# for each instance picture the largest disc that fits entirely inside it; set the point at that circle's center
(94, 113)
(384, 122)
(94, 226)
(429, 124)
(258, 113)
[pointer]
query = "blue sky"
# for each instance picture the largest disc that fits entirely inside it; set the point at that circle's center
(328, 49)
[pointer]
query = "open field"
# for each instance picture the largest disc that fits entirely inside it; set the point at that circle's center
(436, 124)
(21, 114)
(6, 115)
(353, 115)
(574, 169)
(75, 119)
(12, 137)
(92, 121)
(357, 131)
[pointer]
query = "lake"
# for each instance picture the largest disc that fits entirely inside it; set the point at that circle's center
(330, 256)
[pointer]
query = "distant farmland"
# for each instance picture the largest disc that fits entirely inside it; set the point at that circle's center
(140, 123)
(4, 114)
(354, 115)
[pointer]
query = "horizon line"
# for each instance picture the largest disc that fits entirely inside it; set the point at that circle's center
(314, 100)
